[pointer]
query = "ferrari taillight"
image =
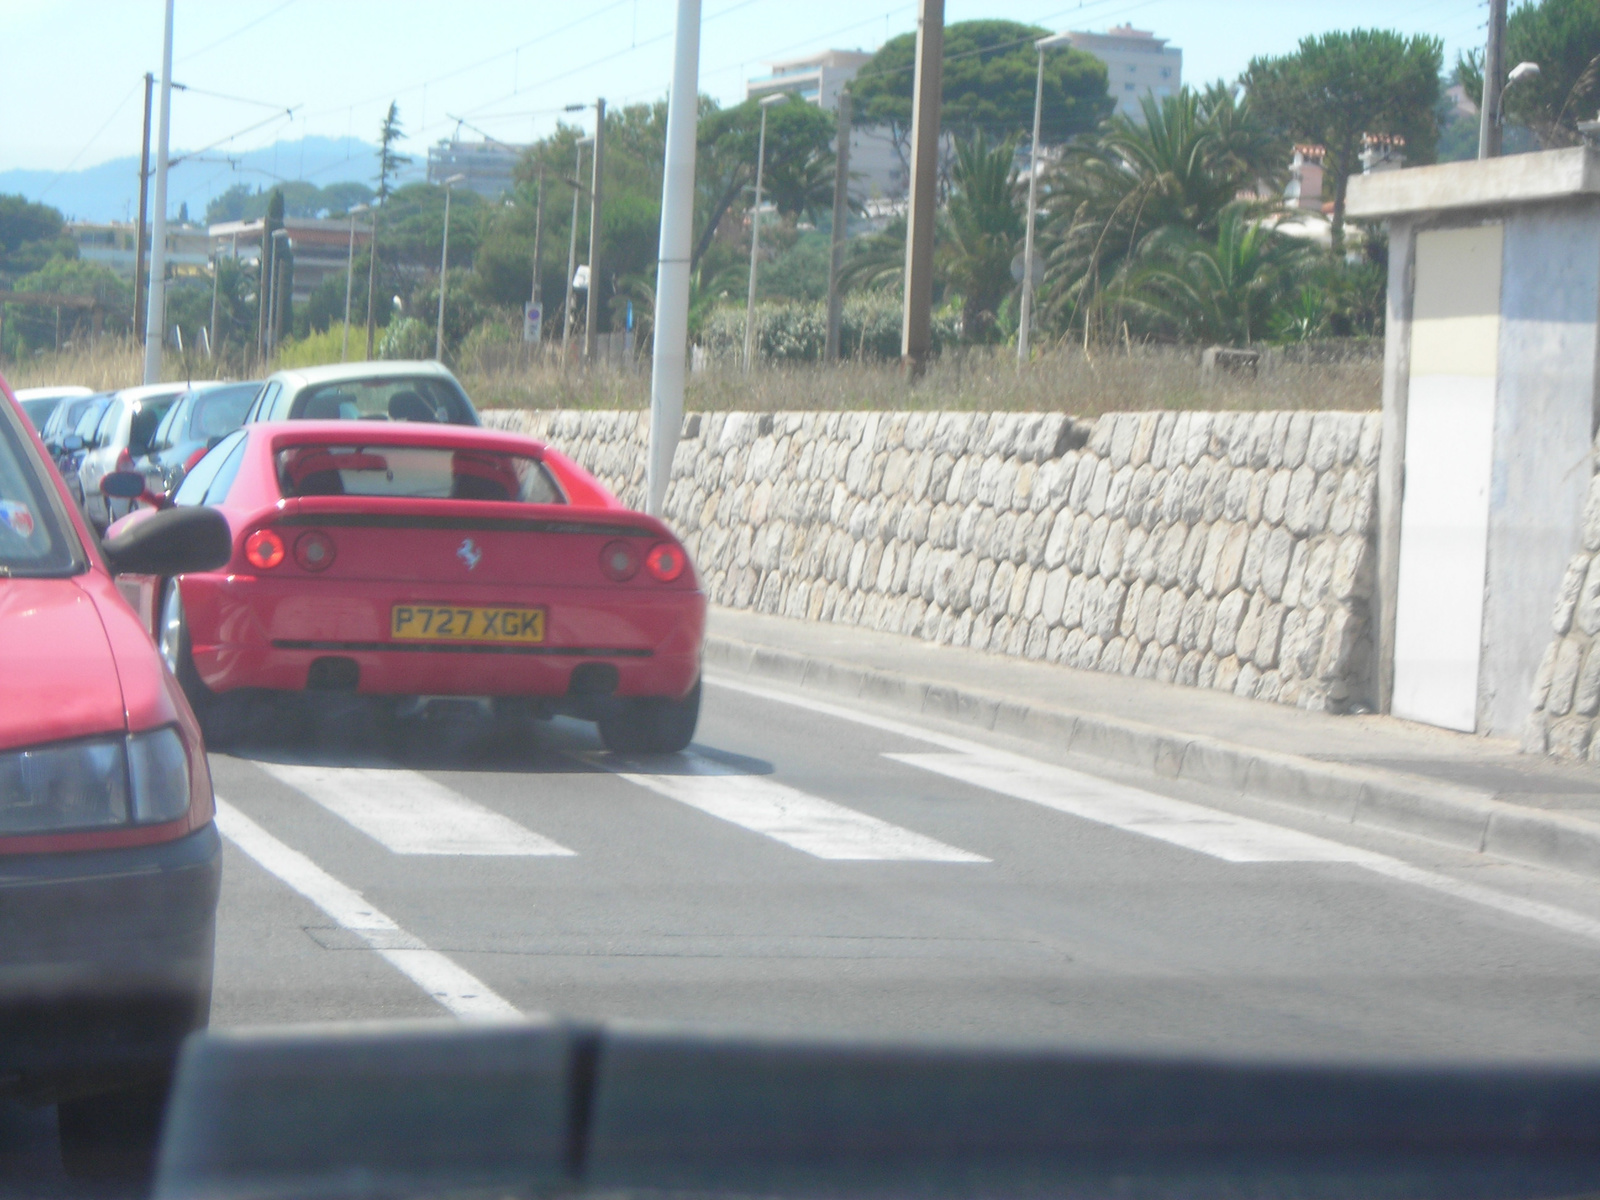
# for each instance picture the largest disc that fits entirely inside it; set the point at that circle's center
(264, 549)
(314, 551)
(619, 560)
(665, 561)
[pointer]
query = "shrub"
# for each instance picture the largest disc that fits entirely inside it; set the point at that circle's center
(406, 337)
(869, 328)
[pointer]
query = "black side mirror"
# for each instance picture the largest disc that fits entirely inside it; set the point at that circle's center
(122, 485)
(72, 443)
(173, 542)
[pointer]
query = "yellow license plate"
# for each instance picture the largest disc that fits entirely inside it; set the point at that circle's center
(441, 623)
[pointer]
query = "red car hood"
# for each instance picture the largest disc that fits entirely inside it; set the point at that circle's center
(51, 636)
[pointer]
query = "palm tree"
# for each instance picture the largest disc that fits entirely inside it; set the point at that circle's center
(983, 227)
(1225, 291)
(1112, 196)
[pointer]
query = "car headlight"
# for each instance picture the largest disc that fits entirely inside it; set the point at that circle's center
(97, 783)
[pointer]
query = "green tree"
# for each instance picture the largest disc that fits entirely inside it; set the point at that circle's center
(983, 231)
(1110, 196)
(30, 327)
(389, 160)
(797, 133)
(1563, 37)
(30, 236)
(1340, 86)
(1222, 291)
(989, 74)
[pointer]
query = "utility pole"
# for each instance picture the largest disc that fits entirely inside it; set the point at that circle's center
(916, 325)
(755, 234)
(156, 317)
(1494, 73)
(216, 283)
(372, 284)
(1025, 326)
(841, 218)
(669, 355)
(572, 250)
(592, 302)
(350, 279)
(538, 236)
(144, 207)
(444, 264)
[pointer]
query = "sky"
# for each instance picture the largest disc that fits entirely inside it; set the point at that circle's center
(257, 71)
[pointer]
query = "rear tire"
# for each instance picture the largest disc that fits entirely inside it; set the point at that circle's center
(652, 725)
(221, 718)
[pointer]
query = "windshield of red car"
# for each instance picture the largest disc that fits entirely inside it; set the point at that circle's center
(415, 472)
(33, 538)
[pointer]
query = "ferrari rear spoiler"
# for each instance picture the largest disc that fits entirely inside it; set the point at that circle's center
(376, 512)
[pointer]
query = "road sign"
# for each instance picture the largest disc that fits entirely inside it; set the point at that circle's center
(532, 319)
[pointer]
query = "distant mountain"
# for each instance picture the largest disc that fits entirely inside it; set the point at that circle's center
(110, 191)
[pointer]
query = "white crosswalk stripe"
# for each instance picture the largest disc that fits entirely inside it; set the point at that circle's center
(452, 986)
(412, 814)
(798, 819)
(1192, 826)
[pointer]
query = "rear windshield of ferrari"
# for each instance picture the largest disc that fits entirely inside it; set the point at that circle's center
(415, 472)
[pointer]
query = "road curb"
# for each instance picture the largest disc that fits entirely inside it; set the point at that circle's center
(1460, 817)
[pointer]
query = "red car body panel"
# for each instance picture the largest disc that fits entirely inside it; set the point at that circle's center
(263, 628)
(91, 669)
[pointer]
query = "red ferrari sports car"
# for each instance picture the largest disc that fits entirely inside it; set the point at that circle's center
(411, 559)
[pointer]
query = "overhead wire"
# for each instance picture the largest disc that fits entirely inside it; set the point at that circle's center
(228, 37)
(94, 137)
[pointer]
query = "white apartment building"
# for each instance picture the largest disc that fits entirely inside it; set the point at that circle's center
(1137, 62)
(877, 170)
(490, 167)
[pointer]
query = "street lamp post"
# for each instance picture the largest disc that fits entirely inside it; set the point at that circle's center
(755, 231)
(349, 280)
(572, 248)
(444, 254)
(1025, 328)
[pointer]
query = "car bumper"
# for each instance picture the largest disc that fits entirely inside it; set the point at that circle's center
(249, 632)
(105, 961)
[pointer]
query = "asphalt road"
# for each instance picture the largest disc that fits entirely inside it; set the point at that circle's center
(824, 869)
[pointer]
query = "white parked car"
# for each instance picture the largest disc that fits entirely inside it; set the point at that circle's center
(123, 434)
(364, 391)
(39, 402)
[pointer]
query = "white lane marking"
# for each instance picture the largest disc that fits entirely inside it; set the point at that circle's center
(411, 814)
(456, 989)
(1549, 915)
(818, 827)
(1192, 826)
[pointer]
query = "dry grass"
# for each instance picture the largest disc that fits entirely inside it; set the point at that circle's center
(1062, 381)
(979, 379)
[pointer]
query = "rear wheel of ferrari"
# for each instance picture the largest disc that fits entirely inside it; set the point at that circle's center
(221, 717)
(652, 725)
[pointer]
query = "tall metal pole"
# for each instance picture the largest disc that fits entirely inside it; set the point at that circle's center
(916, 324)
(755, 248)
(538, 236)
(1026, 325)
(350, 281)
(592, 300)
(156, 317)
(216, 284)
(841, 218)
(139, 259)
(1494, 76)
(372, 284)
(572, 253)
(669, 356)
(444, 263)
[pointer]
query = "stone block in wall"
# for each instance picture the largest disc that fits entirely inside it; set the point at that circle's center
(1567, 596)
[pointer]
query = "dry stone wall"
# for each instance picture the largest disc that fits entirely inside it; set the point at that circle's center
(1222, 550)
(1566, 690)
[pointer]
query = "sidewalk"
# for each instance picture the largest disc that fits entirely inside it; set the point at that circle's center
(1465, 791)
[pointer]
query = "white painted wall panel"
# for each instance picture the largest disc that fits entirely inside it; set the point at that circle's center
(1444, 532)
